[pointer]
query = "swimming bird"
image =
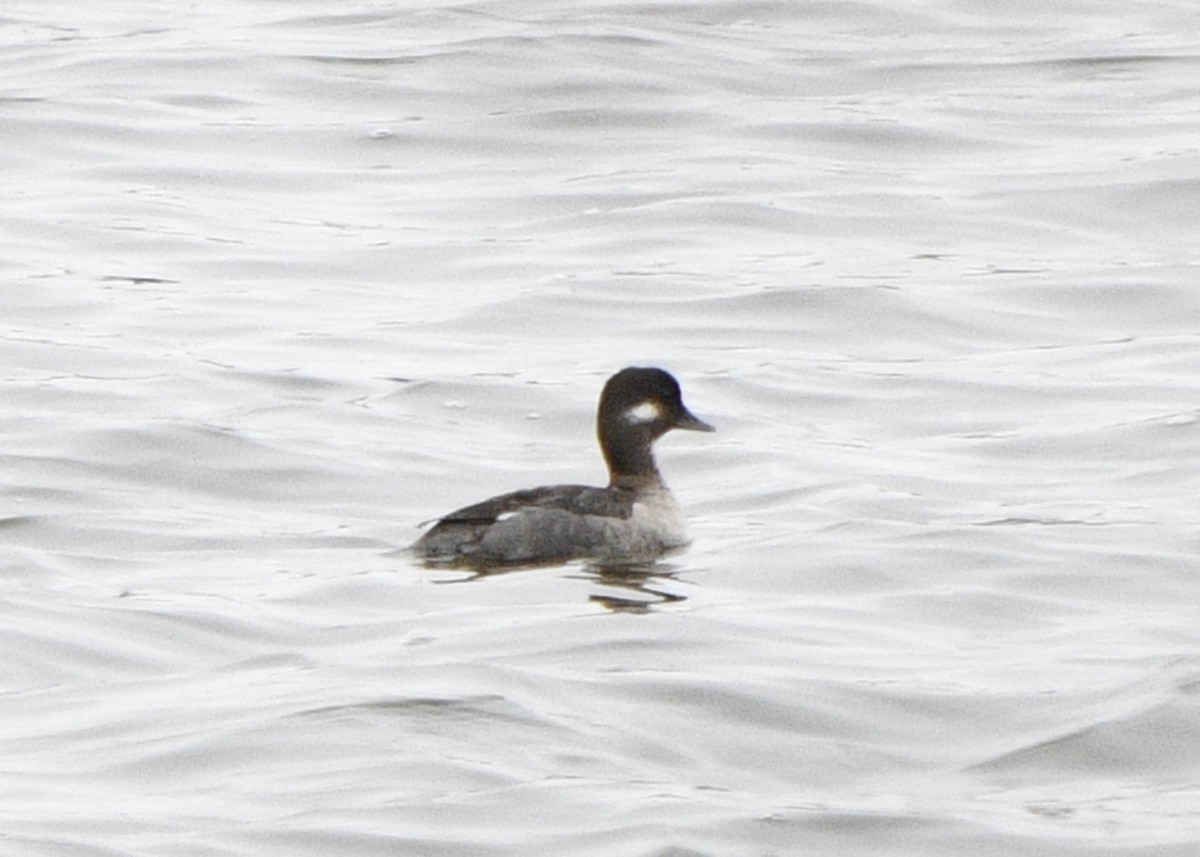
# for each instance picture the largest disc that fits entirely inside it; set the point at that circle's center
(634, 519)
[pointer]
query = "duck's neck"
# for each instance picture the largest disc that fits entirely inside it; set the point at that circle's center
(630, 460)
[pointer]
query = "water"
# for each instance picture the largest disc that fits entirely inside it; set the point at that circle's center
(282, 280)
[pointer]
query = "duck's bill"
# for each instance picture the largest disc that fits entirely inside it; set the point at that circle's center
(691, 422)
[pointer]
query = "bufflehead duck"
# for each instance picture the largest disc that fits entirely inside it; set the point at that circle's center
(634, 519)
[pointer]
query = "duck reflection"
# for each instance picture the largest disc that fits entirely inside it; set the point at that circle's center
(646, 584)
(640, 588)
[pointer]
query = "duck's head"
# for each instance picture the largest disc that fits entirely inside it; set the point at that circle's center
(638, 406)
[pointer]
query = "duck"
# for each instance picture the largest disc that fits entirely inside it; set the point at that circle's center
(635, 519)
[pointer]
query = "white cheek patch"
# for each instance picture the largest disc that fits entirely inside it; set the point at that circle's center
(646, 412)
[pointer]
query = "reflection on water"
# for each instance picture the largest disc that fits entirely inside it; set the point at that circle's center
(646, 583)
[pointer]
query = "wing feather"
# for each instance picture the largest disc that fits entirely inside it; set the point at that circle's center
(553, 523)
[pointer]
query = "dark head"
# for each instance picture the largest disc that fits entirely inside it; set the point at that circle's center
(637, 407)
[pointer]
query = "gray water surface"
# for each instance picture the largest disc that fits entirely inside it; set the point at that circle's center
(280, 281)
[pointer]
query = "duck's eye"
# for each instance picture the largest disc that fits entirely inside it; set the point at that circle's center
(646, 412)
